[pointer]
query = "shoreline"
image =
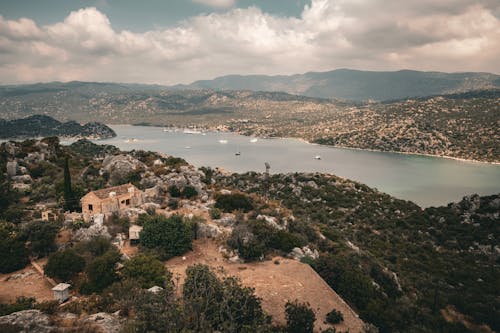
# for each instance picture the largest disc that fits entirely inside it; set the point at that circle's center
(332, 146)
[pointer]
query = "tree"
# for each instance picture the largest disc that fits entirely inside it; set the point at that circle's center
(300, 317)
(13, 253)
(169, 236)
(224, 306)
(69, 199)
(101, 272)
(41, 236)
(147, 271)
(202, 293)
(64, 264)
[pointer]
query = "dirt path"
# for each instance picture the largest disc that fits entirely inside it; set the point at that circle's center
(274, 283)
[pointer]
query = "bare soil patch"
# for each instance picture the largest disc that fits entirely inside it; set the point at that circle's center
(26, 282)
(274, 283)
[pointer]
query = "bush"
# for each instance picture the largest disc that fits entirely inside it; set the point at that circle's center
(101, 272)
(334, 317)
(64, 264)
(22, 303)
(215, 213)
(299, 317)
(169, 236)
(41, 236)
(232, 202)
(189, 192)
(13, 253)
(147, 271)
(174, 191)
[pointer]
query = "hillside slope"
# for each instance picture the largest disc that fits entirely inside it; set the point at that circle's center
(356, 85)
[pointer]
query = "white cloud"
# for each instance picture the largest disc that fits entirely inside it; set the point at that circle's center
(216, 3)
(363, 34)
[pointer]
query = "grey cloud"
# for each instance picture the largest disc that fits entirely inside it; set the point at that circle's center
(363, 34)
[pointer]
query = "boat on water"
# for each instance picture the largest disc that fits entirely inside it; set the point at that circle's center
(131, 140)
(167, 130)
(190, 131)
(188, 147)
(223, 141)
(254, 140)
(317, 157)
(237, 154)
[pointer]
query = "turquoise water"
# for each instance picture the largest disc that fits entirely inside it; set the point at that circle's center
(428, 181)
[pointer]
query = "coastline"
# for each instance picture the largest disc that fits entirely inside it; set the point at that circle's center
(340, 147)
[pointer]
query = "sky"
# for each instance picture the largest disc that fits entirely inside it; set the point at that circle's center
(180, 41)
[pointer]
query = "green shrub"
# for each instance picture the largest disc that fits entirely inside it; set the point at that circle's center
(189, 192)
(64, 264)
(174, 191)
(101, 272)
(334, 317)
(13, 253)
(215, 213)
(169, 236)
(300, 317)
(146, 270)
(232, 202)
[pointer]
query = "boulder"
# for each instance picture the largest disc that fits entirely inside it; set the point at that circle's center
(208, 230)
(103, 322)
(12, 168)
(86, 234)
(271, 221)
(120, 166)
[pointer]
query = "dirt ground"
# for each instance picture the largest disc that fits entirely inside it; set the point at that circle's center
(25, 282)
(274, 283)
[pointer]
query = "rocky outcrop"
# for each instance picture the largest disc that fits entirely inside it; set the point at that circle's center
(119, 167)
(27, 321)
(103, 322)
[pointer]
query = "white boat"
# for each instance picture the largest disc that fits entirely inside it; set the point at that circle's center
(223, 141)
(317, 157)
(254, 140)
(131, 140)
(167, 130)
(189, 131)
(188, 147)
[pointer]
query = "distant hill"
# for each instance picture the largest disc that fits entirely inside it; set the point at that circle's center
(43, 126)
(355, 85)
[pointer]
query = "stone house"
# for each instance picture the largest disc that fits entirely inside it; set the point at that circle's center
(111, 200)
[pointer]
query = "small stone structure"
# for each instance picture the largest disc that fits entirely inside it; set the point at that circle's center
(133, 233)
(61, 292)
(111, 200)
(48, 215)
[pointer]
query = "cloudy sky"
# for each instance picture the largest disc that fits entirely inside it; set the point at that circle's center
(179, 41)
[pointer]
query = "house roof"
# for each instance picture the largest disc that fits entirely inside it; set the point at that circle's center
(119, 190)
(135, 227)
(61, 287)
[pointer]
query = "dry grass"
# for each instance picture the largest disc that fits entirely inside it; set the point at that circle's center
(274, 283)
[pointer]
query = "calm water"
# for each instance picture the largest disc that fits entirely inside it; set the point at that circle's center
(428, 181)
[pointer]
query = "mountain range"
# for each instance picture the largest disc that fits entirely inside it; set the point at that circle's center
(355, 85)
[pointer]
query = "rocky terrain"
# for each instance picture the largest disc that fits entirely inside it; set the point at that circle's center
(399, 267)
(43, 126)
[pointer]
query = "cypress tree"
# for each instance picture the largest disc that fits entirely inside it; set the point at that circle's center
(68, 192)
